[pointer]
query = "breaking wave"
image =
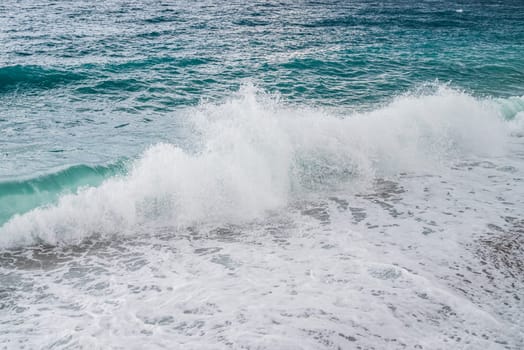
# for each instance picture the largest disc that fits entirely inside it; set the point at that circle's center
(255, 154)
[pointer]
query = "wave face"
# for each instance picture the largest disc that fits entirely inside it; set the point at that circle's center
(254, 154)
(18, 197)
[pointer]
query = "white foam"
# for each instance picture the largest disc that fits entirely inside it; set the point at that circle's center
(255, 153)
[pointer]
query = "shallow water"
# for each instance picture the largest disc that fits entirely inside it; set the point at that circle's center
(406, 263)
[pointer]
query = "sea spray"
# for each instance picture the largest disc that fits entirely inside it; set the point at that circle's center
(255, 153)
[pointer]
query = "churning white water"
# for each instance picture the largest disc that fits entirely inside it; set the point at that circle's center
(286, 227)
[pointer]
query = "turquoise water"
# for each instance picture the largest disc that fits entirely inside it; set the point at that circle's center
(262, 174)
(86, 84)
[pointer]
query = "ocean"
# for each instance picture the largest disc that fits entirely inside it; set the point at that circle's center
(261, 174)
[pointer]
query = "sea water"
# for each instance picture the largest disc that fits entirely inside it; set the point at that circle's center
(262, 174)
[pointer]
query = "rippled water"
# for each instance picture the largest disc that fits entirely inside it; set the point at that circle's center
(271, 174)
(106, 80)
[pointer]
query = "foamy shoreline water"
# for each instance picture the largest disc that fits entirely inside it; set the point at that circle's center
(406, 263)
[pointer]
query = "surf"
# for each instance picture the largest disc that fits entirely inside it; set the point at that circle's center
(254, 153)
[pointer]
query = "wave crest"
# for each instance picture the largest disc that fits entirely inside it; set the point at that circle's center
(254, 154)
